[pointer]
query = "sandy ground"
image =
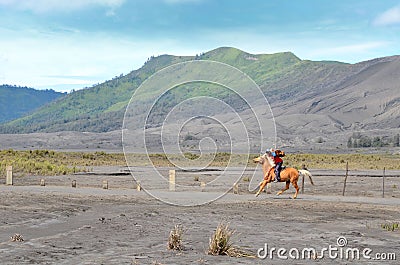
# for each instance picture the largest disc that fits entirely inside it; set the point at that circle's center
(90, 225)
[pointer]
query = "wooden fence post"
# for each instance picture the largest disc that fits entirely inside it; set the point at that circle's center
(9, 177)
(138, 186)
(302, 184)
(172, 180)
(42, 182)
(202, 186)
(73, 184)
(105, 184)
(235, 188)
(345, 178)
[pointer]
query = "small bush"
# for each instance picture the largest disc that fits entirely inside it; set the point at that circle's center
(390, 226)
(191, 156)
(175, 238)
(221, 243)
(17, 238)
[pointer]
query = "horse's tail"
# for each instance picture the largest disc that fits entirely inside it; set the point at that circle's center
(307, 173)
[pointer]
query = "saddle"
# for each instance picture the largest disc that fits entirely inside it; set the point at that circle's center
(272, 171)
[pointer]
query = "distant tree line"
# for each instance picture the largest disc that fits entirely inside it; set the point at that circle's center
(30, 89)
(357, 140)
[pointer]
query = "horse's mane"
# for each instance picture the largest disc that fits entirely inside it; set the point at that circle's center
(269, 153)
(268, 156)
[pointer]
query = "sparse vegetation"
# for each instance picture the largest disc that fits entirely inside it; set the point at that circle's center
(357, 140)
(175, 238)
(246, 179)
(338, 161)
(46, 162)
(221, 243)
(17, 238)
(191, 156)
(50, 163)
(390, 226)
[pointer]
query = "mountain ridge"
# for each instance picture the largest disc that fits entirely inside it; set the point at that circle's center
(16, 101)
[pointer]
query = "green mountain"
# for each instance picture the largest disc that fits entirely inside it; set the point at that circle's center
(292, 85)
(100, 108)
(16, 101)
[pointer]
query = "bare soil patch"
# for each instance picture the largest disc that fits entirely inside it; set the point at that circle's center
(89, 225)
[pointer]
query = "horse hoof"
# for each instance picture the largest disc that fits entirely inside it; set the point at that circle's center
(257, 194)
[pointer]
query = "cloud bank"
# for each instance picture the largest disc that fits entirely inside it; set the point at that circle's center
(45, 6)
(389, 17)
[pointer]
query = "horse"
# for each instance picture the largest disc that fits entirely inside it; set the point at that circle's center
(288, 175)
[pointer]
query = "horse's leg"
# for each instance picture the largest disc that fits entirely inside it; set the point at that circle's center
(271, 175)
(285, 188)
(262, 185)
(294, 183)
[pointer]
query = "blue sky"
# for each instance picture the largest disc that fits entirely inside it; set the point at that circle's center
(72, 44)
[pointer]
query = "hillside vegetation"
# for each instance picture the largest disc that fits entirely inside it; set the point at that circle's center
(16, 101)
(100, 108)
(315, 104)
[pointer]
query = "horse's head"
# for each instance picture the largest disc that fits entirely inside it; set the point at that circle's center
(260, 159)
(265, 158)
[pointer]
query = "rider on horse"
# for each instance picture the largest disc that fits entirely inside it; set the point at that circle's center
(276, 154)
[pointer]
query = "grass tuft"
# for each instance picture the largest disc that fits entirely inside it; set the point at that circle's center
(221, 243)
(175, 238)
(390, 226)
(17, 238)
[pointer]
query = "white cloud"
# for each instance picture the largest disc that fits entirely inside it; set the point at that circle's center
(46, 61)
(43, 6)
(65, 62)
(353, 48)
(389, 17)
(349, 53)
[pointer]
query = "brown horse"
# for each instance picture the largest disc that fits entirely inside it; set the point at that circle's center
(288, 175)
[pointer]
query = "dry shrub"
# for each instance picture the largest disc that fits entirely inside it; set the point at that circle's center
(221, 243)
(390, 226)
(246, 179)
(17, 238)
(175, 238)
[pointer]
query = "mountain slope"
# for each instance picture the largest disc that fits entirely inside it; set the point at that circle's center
(17, 101)
(100, 108)
(364, 99)
(309, 99)
(370, 97)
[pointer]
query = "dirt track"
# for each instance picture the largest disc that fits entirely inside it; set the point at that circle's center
(89, 225)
